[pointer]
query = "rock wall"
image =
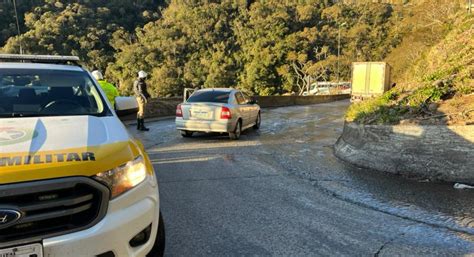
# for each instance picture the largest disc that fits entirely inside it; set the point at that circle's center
(435, 152)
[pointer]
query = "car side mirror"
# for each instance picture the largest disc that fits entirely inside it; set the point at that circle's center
(125, 105)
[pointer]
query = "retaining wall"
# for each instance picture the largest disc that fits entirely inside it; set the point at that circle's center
(434, 152)
(162, 107)
(280, 101)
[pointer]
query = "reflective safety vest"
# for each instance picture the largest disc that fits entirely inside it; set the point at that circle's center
(110, 90)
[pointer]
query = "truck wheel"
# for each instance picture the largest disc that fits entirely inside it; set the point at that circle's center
(238, 130)
(158, 249)
(186, 133)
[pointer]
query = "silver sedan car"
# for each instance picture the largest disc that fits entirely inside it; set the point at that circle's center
(223, 110)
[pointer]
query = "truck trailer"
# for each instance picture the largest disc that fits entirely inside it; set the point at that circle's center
(369, 79)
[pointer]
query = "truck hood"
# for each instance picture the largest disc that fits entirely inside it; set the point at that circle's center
(51, 147)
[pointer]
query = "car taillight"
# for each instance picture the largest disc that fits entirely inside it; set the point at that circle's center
(179, 111)
(225, 113)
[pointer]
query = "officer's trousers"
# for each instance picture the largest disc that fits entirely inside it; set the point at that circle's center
(141, 107)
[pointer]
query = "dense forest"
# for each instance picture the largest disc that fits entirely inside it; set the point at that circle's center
(264, 47)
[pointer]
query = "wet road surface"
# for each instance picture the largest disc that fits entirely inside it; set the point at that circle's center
(280, 191)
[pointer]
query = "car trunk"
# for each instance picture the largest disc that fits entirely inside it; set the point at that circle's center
(201, 111)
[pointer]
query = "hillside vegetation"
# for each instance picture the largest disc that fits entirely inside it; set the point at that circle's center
(434, 71)
(265, 47)
(83, 28)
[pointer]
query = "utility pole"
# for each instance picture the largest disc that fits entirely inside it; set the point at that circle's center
(469, 6)
(339, 50)
(17, 26)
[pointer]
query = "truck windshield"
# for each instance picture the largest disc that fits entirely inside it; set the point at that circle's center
(30, 93)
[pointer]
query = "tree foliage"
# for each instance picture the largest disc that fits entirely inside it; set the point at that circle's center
(82, 28)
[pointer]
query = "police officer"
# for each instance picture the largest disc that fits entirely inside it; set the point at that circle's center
(109, 89)
(142, 95)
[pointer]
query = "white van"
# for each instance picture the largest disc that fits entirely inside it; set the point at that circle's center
(73, 182)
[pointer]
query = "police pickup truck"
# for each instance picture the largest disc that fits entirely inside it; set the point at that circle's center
(73, 181)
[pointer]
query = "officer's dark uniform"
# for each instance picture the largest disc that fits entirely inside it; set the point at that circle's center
(141, 93)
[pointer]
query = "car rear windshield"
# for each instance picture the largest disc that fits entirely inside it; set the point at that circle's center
(30, 92)
(210, 96)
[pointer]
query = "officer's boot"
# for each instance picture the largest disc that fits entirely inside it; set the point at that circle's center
(143, 128)
(139, 126)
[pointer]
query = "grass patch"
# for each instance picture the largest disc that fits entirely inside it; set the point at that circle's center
(394, 106)
(423, 96)
(465, 89)
(376, 110)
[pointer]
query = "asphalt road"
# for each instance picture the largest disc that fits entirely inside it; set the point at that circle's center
(280, 191)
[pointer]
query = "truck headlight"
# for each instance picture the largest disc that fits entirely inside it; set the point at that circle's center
(124, 177)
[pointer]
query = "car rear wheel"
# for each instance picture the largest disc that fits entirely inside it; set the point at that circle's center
(186, 133)
(238, 130)
(258, 121)
(158, 249)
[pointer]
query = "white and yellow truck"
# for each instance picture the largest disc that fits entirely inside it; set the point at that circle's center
(369, 79)
(73, 181)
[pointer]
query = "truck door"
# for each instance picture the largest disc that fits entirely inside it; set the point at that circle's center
(377, 78)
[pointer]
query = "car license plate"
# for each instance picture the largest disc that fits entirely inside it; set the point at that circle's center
(200, 114)
(33, 250)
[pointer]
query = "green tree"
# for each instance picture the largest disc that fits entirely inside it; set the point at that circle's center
(190, 46)
(82, 28)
